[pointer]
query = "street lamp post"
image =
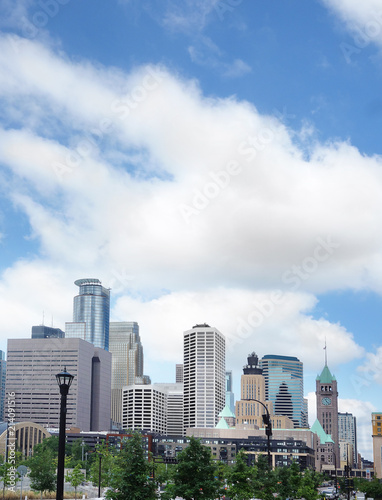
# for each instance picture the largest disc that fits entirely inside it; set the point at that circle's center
(268, 429)
(64, 381)
(82, 446)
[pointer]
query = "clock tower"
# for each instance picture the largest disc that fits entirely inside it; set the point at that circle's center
(327, 408)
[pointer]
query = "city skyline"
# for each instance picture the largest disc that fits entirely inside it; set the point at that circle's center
(133, 328)
(208, 161)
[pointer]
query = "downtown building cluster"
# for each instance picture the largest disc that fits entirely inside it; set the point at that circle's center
(110, 392)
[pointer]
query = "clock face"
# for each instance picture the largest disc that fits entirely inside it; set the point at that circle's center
(326, 401)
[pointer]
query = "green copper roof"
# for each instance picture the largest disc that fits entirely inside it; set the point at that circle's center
(317, 429)
(226, 412)
(326, 377)
(222, 424)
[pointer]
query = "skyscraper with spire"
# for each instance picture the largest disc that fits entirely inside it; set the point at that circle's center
(91, 312)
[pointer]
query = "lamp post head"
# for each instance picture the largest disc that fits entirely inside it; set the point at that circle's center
(64, 381)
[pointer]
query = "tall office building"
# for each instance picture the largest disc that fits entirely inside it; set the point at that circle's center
(252, 387)
(347, 433)
(327, 408)
(203, 376)
(127, 365)
(144, 408)
(229, 395)
(47, 332)
(91, 312)
(284, 386)
(305, 415)
(376, 422)
(32, 365)
(174, 407)
(3, 372)
(153, 408)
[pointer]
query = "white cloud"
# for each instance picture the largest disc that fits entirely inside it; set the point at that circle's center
(233, 199)
(189, 16)
(371, 371)
(250, 321)
(31, 291)
(362, 19)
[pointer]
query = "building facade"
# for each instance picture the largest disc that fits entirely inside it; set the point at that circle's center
(154, 408)
(248, 409)
(327, 409)
(127, 362)
(204, 376)
(32, 365)
(284, 386)
(229, 395)
(47, 332)
(376, 423)
(285, 445)
(144, 408)
(179, 373)
(24, 437)
(347, 435)
(91, 313)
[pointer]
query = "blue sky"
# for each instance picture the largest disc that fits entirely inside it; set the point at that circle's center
(210, 161)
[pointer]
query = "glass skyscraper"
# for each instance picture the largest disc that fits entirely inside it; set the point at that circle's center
(127, 365)
(91, 312)
(284, 386)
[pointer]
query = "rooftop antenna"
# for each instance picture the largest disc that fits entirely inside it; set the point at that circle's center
(326, 354)
(43, 317)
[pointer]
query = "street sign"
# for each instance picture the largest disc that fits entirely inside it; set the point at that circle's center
(22, 470)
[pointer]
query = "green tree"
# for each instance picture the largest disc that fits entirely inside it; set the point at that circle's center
(195, 474)
(239, 479)
(371, 489)
(43, 470)
(310, 481)
(104, 457)
(130, 478)
(8, 473)
(50, 443)
(75, 478)
(264, 480)
(75, 451)
(288, 481)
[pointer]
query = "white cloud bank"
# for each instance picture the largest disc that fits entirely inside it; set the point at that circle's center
(179, 189)
(363, 21)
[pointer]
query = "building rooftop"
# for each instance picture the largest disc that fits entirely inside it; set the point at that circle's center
(326, 377)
